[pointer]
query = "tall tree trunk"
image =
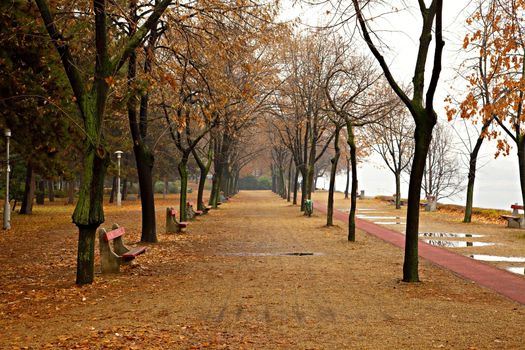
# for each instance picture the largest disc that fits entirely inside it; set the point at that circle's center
(144, 158)
(214, 190)
(125, 188)
(398, 189)
(51, 190)
(333, 171)
(521, 163)
(423, 136)
(295, 185)
(353, 194)
(274, 183)
(41, 195)
(29, 191)
(204, 170)
(112, 195)
(347, 186)
(471, 179)
(289, 189)
(89, 212)
(183, 172)
(70, 192)
(304, 195)
(282, 182)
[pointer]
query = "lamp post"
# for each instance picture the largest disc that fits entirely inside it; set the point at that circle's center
(119, 195)
(7, 207)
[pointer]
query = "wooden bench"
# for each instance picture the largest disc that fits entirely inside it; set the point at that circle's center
(172, 225)
(206, 208)
(113, 255)
(402, 202)
(191, 212)
(515, 220)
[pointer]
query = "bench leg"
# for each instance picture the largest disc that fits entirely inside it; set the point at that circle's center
(109, 261)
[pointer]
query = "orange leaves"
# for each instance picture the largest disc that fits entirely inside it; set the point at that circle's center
(466, 41)
(109, 80)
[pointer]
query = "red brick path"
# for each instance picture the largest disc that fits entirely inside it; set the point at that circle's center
(503, 282)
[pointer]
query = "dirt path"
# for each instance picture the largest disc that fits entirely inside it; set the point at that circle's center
(227, 284)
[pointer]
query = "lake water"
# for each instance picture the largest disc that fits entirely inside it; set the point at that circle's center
(497, 183)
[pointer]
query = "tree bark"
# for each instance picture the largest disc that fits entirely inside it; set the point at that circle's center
(353, 194)
(125, 188)
(289, 189)
(398, 189)
(29, 192)
(423, 136)
(295, 185)
(521, 162)
(89, 212)
(113, 190)
(183, 173)
(51, 190)
(41, 195)
(204, 169)
(303, 188)
(144, 158)
(333, 172)
(471, 179)
(347, 186)
(70, 192)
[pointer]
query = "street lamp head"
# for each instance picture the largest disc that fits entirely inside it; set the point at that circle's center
(7, 133)
(119, 154)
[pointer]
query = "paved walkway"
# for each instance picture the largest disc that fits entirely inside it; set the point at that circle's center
(503, 282)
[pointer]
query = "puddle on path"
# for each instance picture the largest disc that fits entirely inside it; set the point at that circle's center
(274, 254)
(514, 259)
(516, 270)
(450, 235)
(389, 222)
(364, 216)
(456, 244)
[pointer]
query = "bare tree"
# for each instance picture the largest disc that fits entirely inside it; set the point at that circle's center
(421, 107)
(393, 141)
(442, 177)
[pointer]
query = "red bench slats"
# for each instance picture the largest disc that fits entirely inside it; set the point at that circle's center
(183, 224)
(134, 252)
(114, 234)
(515, 206)
(198, 212)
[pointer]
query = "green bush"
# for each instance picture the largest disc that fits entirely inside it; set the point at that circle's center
(173, 187)
(251, 182)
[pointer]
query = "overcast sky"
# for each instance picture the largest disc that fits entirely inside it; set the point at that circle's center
(497, 182)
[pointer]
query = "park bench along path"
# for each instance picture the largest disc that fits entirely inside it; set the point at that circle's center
(230, 283)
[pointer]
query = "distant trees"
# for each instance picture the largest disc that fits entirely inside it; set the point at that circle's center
(442, 177)
(392, 139)
(36, 100)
